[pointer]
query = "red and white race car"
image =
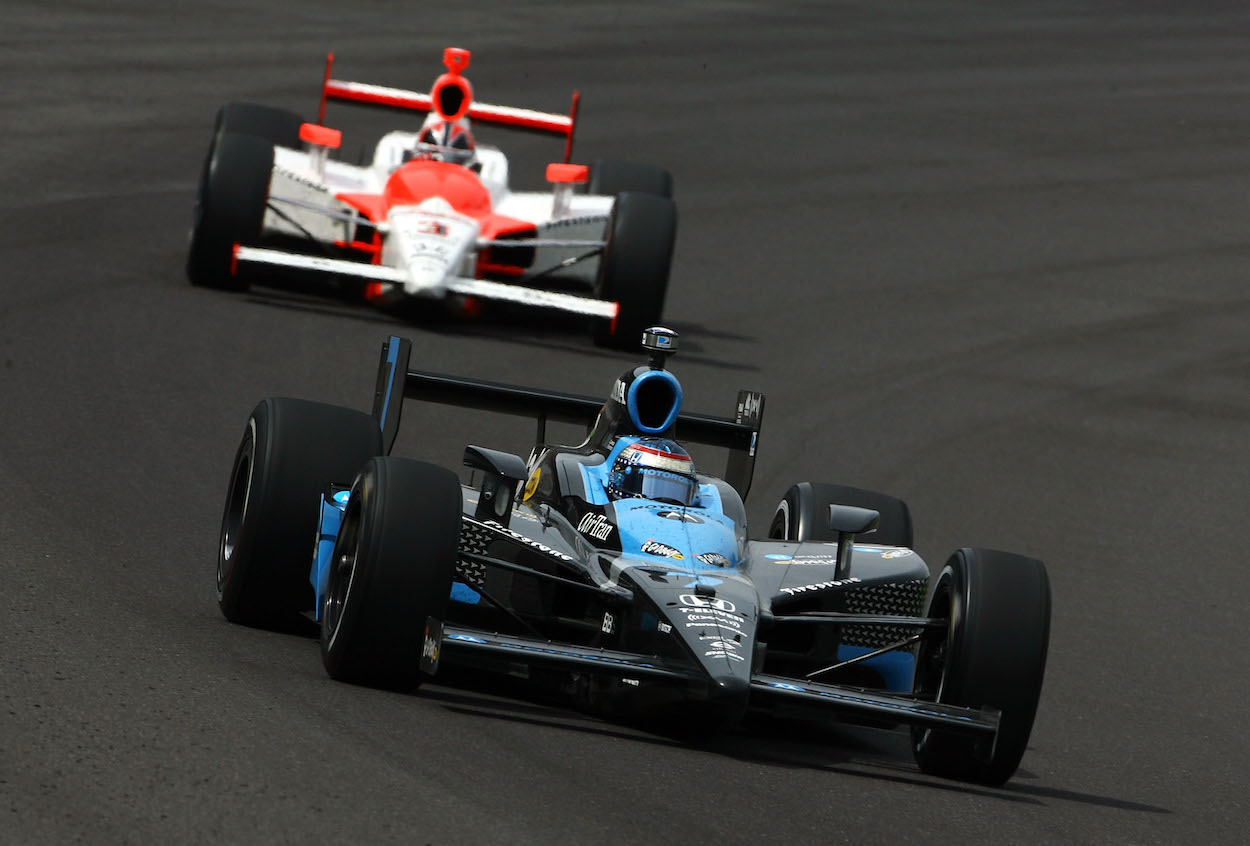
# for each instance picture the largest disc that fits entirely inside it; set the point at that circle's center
(432, 216)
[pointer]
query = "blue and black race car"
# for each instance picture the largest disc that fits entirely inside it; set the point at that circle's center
(617, 570)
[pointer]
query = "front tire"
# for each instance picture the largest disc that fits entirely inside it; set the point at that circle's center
(992, 655)
(803, 514)
(277, 126)
(392, 568)
(291, 449)
(610, 178)
(633, 270)
(234, 192)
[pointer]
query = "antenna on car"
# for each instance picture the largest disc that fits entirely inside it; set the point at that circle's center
(660, 343)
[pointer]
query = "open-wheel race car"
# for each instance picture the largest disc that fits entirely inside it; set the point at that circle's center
(431, 216)
(616, 571)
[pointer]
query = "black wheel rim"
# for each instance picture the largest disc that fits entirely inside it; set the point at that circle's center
(931, 655)
(779, 529)
(342, 568)
(235, 515)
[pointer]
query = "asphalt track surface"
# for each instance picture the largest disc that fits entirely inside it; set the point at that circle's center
(991, 258)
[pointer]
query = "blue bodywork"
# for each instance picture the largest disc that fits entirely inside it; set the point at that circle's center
(701, 528)
(699, 539)
(332, 508)
(631, 401)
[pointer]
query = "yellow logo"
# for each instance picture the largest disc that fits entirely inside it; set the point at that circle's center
(532, 485)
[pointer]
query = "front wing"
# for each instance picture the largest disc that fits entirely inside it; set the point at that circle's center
(482, 288)
(464, 645)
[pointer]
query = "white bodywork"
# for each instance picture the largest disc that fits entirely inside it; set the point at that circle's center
(429, 249)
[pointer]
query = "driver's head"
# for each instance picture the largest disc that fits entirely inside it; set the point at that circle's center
(452, 140)
(653, 468)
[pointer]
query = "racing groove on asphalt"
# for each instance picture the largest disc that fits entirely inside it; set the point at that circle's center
(992, 260)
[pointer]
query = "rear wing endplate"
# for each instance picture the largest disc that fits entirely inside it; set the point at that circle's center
(396, 382)
(404, 100)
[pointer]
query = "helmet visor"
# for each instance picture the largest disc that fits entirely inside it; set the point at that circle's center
(659, 485)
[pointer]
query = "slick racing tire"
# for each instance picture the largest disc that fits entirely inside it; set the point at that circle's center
(277, 126)
(291, 450)
(610, 178)
(392, 569)
(230, 210)
(633, 270)
(803, 514)
(991, 655)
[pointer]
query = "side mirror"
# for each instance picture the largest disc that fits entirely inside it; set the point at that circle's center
(501, 471)
(848, 521)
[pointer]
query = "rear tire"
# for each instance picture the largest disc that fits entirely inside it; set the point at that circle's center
(392, 568)
(609, 178)
(230, 210)
(992, 655)
(633, 270)
(803, 514)
(291, 450)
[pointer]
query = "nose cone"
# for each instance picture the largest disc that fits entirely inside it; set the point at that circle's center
(714, 619)
(727, 697)
(724, 651)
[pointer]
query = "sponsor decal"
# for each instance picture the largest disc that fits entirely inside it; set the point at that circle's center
(424, 249)
(750, 406)
(663, 628)
(710, 614)
(825, 560)
(723, 644)
(585, 220)
(710, 618)
(713, 559)
(342, 497)
(618, 391)
(654, 547)
(527, 541)
(431, 227)
(821, 585)
(532, 485)
(897, 553)
(608, 623)
(464, 637)
(595, 526)
(784, 686)
(655, 473)
(778, 556)
(630, 682)
(679, 515)
(430, 646)
(695, 601)
(720, 653)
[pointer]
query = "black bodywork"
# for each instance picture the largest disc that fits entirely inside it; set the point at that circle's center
(555, 584)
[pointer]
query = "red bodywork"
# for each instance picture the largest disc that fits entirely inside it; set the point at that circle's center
(416, 181)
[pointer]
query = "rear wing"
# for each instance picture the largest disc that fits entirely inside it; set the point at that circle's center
(396, 383)
(399, 98)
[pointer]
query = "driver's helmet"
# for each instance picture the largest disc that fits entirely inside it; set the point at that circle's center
(452, 140)
(653, 468)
